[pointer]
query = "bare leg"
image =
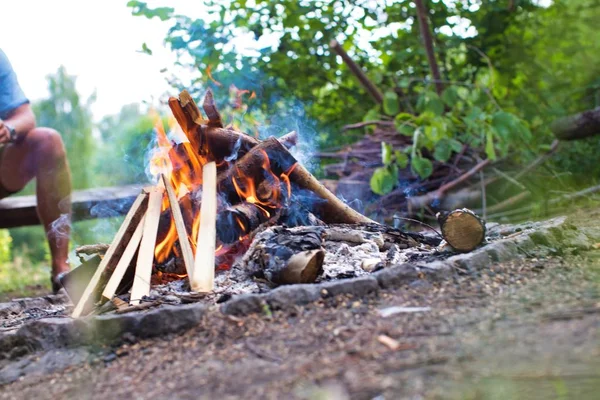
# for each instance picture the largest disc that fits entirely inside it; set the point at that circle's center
(41, 155)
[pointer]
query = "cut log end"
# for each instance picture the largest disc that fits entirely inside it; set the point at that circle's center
(303, 267)
(462, 229)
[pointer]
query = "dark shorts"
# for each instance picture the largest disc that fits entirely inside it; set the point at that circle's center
(3, 191)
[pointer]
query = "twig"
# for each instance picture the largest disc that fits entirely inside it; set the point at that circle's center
(359, 125)
(358, 72)
(483, 195)
(540, 160)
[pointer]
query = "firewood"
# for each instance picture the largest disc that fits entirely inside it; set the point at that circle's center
(214, 117)
(285, 256)
(239, 220)
(113, 253)
(252, 166)
(124, 262)
(202, 279)
(184, 243)
(332, 210)
(143, 268)
(289, 140)
(462, 229)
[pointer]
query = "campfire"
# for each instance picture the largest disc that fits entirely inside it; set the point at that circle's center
(225, 199)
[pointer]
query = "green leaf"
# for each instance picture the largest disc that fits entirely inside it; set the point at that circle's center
(421, 166)
(401, 159)
(386, 153)
(503, 123)
(490, 151)
(390, 103)
(146, 49)
(434, 104)
(442, 151)
(382, 181)
(371, 115)
(450, 96)
(455, 145)
(403, 124)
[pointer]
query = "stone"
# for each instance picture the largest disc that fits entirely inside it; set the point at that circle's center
(109, 328)
(357, 286)
(244, 304)
(9, 308)
(286, 296)
(49, 333)
(397, 275)
(170, 319)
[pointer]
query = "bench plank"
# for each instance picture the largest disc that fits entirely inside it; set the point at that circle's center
(87, 204)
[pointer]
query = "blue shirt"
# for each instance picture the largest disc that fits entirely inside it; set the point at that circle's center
(11, 95)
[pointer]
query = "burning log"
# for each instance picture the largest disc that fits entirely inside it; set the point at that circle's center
(143, 268)
(285, 256)
(239, 220)
(203, 277)
(113, 253)
(214, 117)
(462, 229)
(266, 161)
(270, 160)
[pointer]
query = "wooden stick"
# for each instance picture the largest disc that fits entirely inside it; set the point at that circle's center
(202, 280)
(120, 241)
(143, 268)
(184, 242)
(358, 72)
(210, 108)
(426, 199)
(124, 262)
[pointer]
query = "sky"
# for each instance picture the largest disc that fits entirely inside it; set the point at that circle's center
(97, 41)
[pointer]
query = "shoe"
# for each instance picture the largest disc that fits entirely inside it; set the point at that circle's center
(56, 282)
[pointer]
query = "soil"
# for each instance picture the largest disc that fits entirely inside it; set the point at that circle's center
(522, 329)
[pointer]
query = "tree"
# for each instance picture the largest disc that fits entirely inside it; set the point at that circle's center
(65, 111)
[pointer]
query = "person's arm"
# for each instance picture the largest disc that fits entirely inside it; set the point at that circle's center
(21, 119)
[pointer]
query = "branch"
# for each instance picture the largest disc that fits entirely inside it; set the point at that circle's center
(428, 42)
(358, 72)
(359, 125)
(577, 126)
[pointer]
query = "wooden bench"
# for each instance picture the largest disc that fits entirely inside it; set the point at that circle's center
(87, 204)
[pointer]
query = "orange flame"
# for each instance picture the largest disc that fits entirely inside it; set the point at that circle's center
(182, 166)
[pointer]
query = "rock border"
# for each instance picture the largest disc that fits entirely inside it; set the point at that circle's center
(57, 332)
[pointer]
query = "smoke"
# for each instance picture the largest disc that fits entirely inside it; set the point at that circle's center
(60, 228)
(234, 152)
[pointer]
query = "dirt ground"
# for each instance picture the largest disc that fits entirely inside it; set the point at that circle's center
(524, 329)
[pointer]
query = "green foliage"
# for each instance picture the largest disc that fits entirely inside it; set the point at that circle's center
(5, 246)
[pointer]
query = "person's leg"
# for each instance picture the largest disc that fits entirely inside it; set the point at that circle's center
(41, 154)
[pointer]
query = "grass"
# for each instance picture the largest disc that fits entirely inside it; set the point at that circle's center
(21, 278)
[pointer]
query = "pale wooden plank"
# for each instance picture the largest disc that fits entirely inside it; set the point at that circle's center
(202, 280)
(184, 242)
(120, 241)
(124, 262)
(143, 268)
